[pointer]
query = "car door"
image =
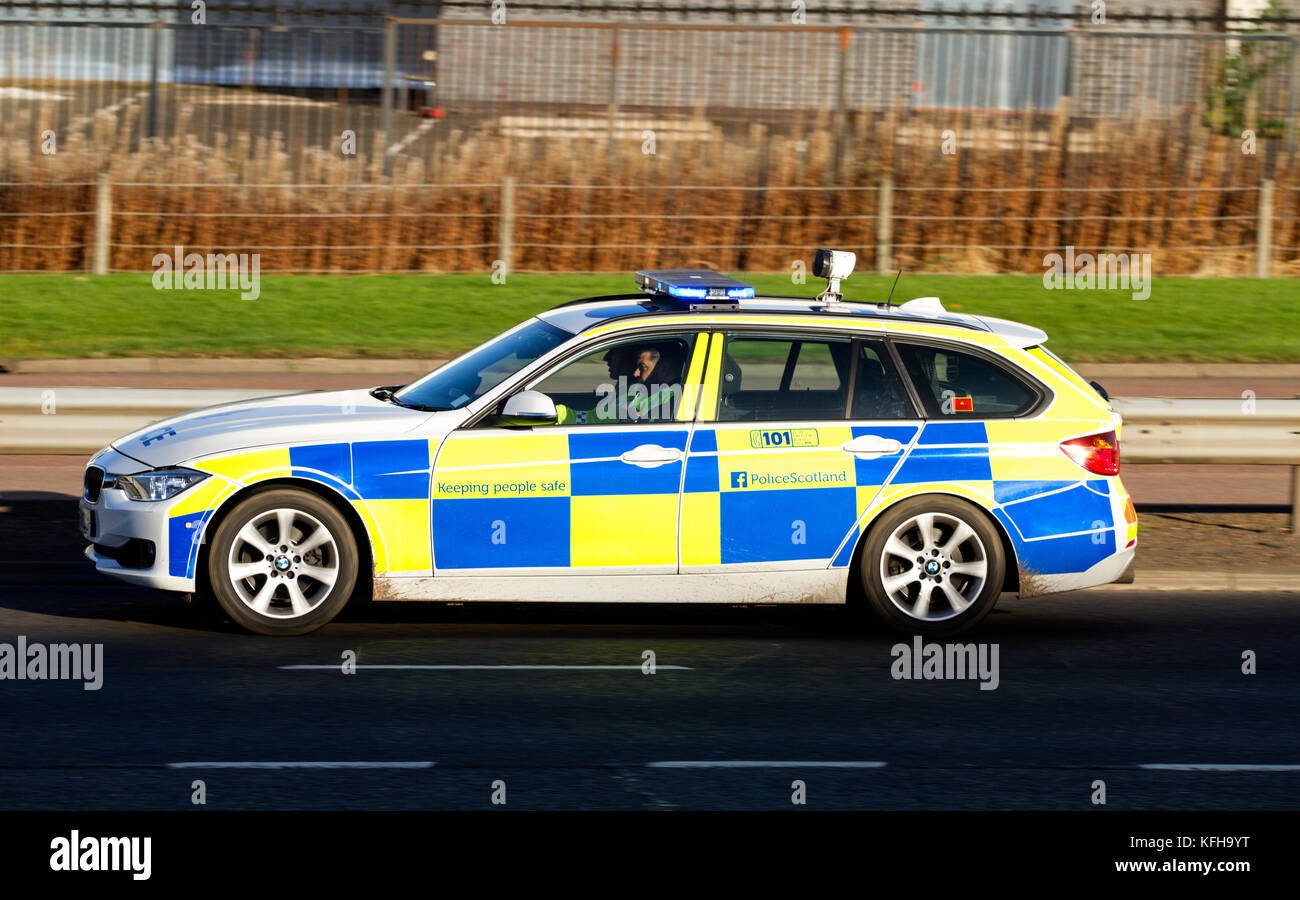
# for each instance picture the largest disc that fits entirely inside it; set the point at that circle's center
(596, 493)
(796, 434)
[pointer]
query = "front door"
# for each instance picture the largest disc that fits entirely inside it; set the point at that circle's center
(596, 493)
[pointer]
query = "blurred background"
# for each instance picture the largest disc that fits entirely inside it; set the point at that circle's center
(604, 135)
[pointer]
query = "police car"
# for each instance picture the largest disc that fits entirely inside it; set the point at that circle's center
(690, 443)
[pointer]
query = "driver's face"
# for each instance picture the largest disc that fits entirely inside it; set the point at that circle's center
(644, 367)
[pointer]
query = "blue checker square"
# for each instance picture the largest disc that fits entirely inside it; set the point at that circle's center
(332, 459)
(764, 526)
(954, 433)
(604, 445)
(877, 471)
(701, 474)
(596, 470)
(183, 537)
(501, 534)
(1007, 491)
(1077, 509)
(391, 470)
(1076, 553)
(929, 464)
(704, 441)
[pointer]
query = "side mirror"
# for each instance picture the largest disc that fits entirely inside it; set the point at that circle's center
(527, 408)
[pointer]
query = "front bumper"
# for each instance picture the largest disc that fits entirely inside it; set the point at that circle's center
(117, 526)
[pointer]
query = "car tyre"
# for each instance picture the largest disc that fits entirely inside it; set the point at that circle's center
(932, 566)
(283, 562)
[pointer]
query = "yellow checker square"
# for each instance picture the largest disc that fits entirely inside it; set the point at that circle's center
(864, 497)
(256, 465)
(801, 438)
(201, 498)
(504, 482)
(1070, 404)
(702, 529)
(522, 449)
(623, 530)
(377, 545)
(405, 526)
(1032, 463)
(1036, 431)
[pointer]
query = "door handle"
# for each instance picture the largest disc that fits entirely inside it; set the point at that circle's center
(648, 456)
(871, 445)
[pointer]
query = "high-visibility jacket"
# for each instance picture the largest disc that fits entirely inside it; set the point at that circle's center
(639, 409)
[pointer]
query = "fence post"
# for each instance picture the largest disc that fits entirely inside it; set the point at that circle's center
(386, 119)
(841, 105)
(611, 110)
(506, 225)
(155, 32)
(1295, 499)
(1293, 88)
(1264, 229)
(885, 226)
(103, 219)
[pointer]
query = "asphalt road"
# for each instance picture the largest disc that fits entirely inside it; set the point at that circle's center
(1091, 685)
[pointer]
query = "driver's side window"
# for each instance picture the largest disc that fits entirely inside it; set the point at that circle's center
(629, 381)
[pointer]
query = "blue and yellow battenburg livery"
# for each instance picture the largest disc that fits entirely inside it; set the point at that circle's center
(716, 503)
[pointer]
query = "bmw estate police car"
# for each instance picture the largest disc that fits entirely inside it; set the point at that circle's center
(689, 443)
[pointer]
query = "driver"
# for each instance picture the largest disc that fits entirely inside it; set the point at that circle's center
(645, 387)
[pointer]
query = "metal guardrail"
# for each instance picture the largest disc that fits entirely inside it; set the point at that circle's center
(1182, 431)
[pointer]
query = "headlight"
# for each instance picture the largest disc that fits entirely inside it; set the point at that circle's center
(160, 484)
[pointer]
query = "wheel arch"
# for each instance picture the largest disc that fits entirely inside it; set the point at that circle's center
(335, 498)
(1011, 579)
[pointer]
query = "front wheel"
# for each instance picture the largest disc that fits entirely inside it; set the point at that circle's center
(283, 562)
(933, 566)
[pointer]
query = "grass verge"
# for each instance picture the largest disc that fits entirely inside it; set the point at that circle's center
(68, 315)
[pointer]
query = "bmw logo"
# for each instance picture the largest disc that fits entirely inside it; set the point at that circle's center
(932, 567)
(282, 563)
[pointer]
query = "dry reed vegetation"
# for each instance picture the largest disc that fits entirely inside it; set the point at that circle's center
(1018, 187)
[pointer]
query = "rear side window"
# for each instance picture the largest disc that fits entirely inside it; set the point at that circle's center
(962, 385)
(768, 379)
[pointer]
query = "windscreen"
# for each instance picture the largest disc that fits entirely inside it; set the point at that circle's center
(472, 375)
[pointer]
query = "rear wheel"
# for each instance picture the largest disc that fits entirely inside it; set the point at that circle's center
(933, 566)
(283, 562)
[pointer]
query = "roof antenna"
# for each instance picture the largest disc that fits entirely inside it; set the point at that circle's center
(891, 289)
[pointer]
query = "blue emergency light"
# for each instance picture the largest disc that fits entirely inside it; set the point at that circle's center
(694, 285)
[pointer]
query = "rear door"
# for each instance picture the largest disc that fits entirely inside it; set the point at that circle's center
(797, 432)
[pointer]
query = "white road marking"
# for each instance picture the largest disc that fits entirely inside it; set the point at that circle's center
(1218, 767)
(760, 764)
(336, 667)
(335, 764)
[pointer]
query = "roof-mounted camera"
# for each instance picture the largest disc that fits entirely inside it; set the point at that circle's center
(834, 266)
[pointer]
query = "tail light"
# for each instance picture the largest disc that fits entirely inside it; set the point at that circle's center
(1098, 453)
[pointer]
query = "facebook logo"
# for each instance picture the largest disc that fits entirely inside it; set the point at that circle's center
(739, 479)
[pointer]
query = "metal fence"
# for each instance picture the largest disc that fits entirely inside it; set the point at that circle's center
(335, 139)
(106, 227)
